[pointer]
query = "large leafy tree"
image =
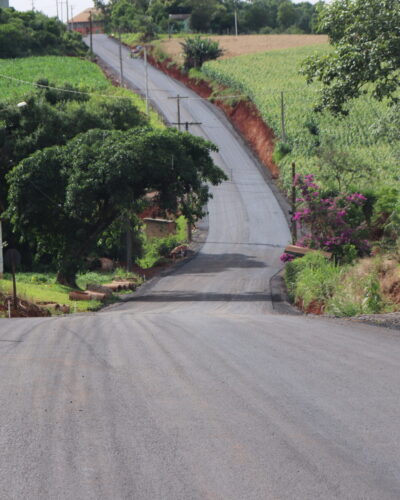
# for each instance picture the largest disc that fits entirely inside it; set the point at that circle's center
(53, 117)
(32, 33)
(365, 35)
(64, 198)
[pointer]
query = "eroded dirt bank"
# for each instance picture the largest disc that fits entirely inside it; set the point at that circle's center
(243, 115)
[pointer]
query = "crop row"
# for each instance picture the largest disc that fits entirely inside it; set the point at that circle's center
(319, 142)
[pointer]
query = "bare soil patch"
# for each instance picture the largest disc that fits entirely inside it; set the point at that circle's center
(247, 44)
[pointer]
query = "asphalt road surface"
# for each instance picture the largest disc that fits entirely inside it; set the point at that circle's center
(197, 389)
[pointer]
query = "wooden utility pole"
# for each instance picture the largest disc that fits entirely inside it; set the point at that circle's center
(178, 103)
(283, 118)
(294, 223)
(67, 8)
(187, 124)
(121, 74)
(236, 24)
(91, 33)
(129, 247)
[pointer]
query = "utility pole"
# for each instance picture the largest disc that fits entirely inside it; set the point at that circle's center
(236, 24)
(186, 124)
(91, 33)
(67, 8)
(178, 103)
(121, 74)
(283, 118)
(57, 8)
(128, 247)
(72, 16)
(147, 79)
(294, 223)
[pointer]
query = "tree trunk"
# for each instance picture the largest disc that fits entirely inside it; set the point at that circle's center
(66, 275)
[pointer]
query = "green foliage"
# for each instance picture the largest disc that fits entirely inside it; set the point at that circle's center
(32, 33)
(343, 291)
(198, 50)
(312, 278)
(62, 199)
(357, 296)
(157, 249)
(335, 149)
(366, 58)
(53, 117)
(209, 16)
(281, 150)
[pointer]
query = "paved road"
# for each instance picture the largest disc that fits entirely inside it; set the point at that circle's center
(210, 396)
(247, 228)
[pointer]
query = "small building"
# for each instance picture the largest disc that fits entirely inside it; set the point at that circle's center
(81, 22)
(4, 4)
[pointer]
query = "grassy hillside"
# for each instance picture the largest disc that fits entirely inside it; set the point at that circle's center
(58, 70)
(320, 144)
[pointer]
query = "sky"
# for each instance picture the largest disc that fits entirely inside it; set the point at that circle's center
(49, 7)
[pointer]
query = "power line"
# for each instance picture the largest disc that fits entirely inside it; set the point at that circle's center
(34, 84)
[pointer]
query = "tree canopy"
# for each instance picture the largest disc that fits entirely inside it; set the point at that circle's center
(365, 35)
(31, 33)
(63, 198)
(215, 16)
(53, 117)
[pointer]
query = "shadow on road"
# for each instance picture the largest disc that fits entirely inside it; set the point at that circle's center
(216, 263)
(194, 296)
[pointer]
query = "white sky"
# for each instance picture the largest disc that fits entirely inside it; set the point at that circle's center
(49, 7)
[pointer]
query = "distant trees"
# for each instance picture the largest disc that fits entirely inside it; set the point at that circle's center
(29, 33)
(213, 16)
(64, 198)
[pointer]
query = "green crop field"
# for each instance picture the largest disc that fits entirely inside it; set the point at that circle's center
(320, 143)
(58, 70)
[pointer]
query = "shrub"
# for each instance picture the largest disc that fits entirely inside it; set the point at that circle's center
(312, 278)
(198, 50)
(335, 224)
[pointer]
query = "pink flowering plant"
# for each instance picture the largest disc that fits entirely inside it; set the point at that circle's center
(334, 224)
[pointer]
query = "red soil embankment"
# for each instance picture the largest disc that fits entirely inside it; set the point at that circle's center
(244, 115)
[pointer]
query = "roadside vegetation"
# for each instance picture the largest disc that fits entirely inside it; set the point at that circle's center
(84, 75)
(31, 33)
(42, 289)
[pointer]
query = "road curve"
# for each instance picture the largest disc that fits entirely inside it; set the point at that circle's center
(195, 393)
(247, 228)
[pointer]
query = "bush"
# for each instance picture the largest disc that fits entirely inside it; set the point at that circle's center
(198, 50)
